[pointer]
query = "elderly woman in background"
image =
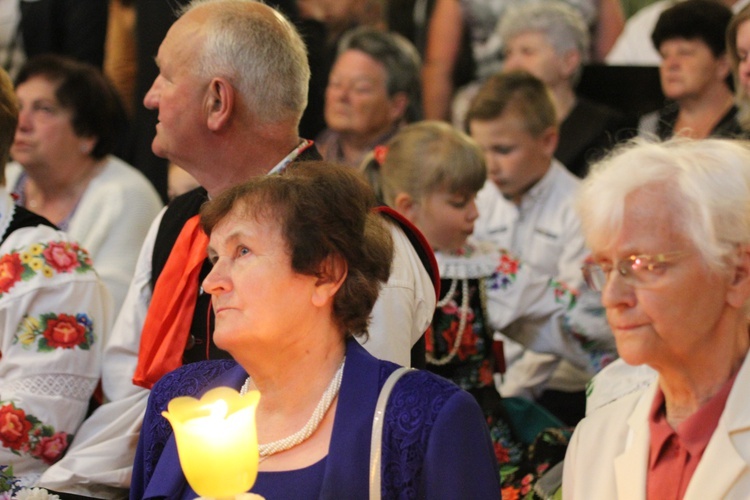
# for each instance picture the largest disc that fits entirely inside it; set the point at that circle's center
(309, 238)
(671, 254)
(54, 318)
(68, 125)
(694, 73)
(373, 88)
(550, 40)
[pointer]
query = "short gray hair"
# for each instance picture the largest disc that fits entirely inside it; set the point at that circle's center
(263, 57)
(399, 57)
(564, 26)
(707, 182)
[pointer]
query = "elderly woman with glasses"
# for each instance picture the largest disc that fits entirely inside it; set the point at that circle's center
(669, 229)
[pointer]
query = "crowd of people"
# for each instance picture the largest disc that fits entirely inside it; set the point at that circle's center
(567, 280)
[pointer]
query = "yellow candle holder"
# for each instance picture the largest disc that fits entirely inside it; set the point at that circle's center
(216, 441)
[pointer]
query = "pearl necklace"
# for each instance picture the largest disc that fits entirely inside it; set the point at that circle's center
(266, 450)
(463, 317)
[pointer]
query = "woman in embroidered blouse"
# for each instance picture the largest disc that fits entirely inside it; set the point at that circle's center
(299, 258)
(68, 126)
(54, 317)
(671, 255)
(431, 173)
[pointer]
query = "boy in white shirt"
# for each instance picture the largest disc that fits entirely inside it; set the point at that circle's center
(526, 205)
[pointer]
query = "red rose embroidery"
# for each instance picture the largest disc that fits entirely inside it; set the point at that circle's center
(507, 265)
(61, 257)
(468, 345)
(51, 449)
(14, 428)
(10, 271)
(65, 332)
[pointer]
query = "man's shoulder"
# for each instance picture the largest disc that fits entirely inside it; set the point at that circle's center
(186, 205)
(409, 245)
(177, 213)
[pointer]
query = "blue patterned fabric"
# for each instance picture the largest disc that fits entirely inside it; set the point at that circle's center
(435, 440)
(191, 381)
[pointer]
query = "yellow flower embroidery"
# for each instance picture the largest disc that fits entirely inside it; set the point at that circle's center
(25, 257)
(27, 330)
(36, 264)
(30, 323)
(36, 249)
(26, 338)
(48, 272)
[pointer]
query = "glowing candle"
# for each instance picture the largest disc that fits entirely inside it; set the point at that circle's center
(216, 441)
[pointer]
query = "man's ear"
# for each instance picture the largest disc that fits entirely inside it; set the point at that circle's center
(330, 277)
(739, 285)
(219, 105)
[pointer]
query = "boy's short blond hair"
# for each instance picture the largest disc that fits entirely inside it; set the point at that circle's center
(519, 92)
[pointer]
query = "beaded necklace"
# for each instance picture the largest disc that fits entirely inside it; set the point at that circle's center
(463, 314)
(289, 442)
(473, 261)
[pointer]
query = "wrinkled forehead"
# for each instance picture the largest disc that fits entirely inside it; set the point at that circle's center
(647, 218)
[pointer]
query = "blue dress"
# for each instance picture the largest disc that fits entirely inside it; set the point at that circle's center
(435, 440)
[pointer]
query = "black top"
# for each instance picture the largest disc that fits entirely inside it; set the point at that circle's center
(24, 218)
(728, 127)
(589, 132)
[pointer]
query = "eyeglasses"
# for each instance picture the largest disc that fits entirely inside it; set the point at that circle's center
(636, 270)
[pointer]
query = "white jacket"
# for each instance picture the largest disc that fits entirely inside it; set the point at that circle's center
(608, 454)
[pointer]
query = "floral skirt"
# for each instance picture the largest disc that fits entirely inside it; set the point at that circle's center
(512, 424)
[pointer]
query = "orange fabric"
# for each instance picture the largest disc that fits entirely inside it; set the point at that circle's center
(165, 331)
